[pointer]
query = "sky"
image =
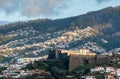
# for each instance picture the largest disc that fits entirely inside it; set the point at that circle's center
(23, 10)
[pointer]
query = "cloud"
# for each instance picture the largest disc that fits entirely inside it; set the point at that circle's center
(32, 8)
(8, 6)
(101, 1)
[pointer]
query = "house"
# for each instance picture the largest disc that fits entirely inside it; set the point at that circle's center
(118, 72)
(28, 60)
(14, 75)
(96, 69)
(24, 60)
(90, 77)
(110, 69)
(14, 66)
(25, 73)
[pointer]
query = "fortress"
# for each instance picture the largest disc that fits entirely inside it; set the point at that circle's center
(83, 52)
(77, 58)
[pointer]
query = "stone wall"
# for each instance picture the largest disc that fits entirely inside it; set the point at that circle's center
(77, 60)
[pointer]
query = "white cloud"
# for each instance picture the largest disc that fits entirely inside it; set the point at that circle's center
(32, 8)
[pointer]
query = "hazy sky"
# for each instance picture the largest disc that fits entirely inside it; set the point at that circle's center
(21, 10)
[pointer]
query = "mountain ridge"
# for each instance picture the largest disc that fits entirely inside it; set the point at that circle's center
(72, 19)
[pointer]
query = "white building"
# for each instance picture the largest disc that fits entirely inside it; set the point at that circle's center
(28, 60)
(14, 66)
(96, 69)
(24, 60)
(90, 77)
(84, 50)
(118, 72)
(110, 69)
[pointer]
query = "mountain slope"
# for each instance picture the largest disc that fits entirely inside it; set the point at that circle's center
(99, 30)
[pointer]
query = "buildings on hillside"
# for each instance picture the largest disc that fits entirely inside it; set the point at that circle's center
(28, 60)
(14, 70)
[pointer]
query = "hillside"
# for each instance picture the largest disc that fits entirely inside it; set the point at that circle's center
(98, 31)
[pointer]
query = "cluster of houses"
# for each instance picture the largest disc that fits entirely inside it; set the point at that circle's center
(61, 38)
(108, 71)
(16, 73)
(15, 69)
(28, 60)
